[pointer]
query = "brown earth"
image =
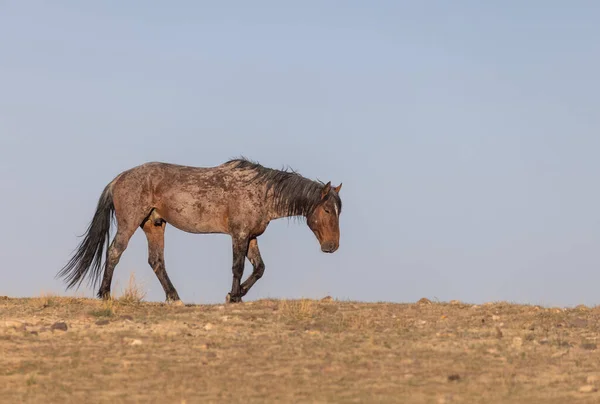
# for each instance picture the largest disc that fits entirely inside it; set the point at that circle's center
(79, 350)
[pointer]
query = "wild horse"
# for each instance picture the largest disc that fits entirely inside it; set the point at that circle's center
(238, 198)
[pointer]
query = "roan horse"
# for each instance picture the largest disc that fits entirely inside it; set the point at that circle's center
(238, 198)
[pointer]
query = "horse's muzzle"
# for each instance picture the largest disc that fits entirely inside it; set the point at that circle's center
(329, 247)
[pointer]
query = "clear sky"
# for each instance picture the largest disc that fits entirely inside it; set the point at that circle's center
(466, 135)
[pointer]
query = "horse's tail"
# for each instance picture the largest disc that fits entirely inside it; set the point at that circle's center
(89, 253)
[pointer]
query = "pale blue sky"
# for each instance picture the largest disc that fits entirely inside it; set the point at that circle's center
(466, 134)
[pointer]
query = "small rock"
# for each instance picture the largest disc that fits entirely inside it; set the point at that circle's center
(445, 399)
(589, 346)
(208, 327)
(126, 317)
(225, 319)
(13, 324)
(495, 317)
(592, 379)
(327, 299)
(587, 389)
(102, 322)
(455, 302)
(135, 342)
(422, 322)
(517, 342)
(59, 326)
(424, 300)
(559, 354)
(565, 344)
(454, 377)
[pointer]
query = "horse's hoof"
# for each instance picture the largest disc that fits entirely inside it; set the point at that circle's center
(104, 296)
(175, 303)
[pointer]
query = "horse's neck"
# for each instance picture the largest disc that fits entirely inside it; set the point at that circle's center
(296, 204)
(280, 212)
(274, 215)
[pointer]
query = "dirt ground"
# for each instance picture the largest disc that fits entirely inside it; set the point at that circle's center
(57, 349)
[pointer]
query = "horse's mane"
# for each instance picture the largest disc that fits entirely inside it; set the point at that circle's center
(294, 194)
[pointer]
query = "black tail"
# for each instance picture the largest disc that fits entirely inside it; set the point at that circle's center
(89, 253)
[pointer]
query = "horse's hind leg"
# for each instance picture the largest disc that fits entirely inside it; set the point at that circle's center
(258, 264)
(113, 255)
(154, 228)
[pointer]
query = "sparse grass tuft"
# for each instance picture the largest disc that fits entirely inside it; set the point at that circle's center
(299, 310)
(31, 380)
(358, 320)
(107, 310)
(46, 300)
(133, 293)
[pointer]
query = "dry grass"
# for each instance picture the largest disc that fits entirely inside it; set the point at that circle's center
(298, 310)
(125, 350)
(107, 309)
(133, 293)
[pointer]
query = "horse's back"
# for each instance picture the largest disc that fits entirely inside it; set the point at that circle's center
(193, 199)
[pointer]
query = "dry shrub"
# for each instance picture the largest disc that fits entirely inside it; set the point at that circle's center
(133, 293)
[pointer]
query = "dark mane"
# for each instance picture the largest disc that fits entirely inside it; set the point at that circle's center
(294, 194)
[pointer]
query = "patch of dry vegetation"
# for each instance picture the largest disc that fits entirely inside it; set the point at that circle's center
(57, 349)
(133, 293)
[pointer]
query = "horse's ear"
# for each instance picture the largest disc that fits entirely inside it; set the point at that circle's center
(338, 188)
(326, 190)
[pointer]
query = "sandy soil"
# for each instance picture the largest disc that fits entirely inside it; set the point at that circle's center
(56, 349)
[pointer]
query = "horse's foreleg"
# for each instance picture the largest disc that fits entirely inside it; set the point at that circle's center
(240, 248)
(155, 233)
(258, 264)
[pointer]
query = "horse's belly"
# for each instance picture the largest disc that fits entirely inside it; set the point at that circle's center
(196, 219)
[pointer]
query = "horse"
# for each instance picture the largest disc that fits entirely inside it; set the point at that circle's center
(239, 198)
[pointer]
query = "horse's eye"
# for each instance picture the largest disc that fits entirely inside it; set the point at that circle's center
(327, 210)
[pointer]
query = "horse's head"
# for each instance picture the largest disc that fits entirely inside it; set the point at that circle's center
(324, 219)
